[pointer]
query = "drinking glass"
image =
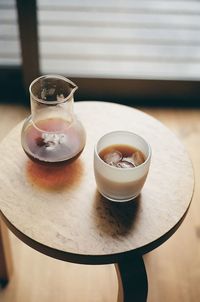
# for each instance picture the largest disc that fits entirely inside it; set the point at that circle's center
(121, 184)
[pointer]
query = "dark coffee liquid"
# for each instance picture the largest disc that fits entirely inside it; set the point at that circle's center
(52, 141)
(122, 156)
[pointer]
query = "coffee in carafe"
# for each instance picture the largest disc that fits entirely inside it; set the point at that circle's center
(52, 134)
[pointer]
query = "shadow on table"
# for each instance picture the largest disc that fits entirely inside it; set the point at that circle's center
(55, 178)
(115, 218)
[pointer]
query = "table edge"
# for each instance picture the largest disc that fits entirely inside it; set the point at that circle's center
(91, 259)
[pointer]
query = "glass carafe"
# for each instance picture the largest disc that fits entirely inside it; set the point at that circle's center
(52, 134)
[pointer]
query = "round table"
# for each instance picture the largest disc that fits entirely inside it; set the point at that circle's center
(59, 212)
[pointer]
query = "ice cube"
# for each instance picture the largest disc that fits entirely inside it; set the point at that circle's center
(50, 146)
(138, 158)
(124, 164)
(62, 138)
(113, 157)
(50, 137)
(51, 140)
(129, 159)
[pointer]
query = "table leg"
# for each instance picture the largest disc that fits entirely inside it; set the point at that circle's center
(5, 255)
(132, 278)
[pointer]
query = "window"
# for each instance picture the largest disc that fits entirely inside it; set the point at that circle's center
(122, 50)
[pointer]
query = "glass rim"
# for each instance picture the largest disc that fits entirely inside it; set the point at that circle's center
(55, 76)
(126, 169)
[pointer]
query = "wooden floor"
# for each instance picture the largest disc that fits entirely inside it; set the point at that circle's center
(173, 269)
